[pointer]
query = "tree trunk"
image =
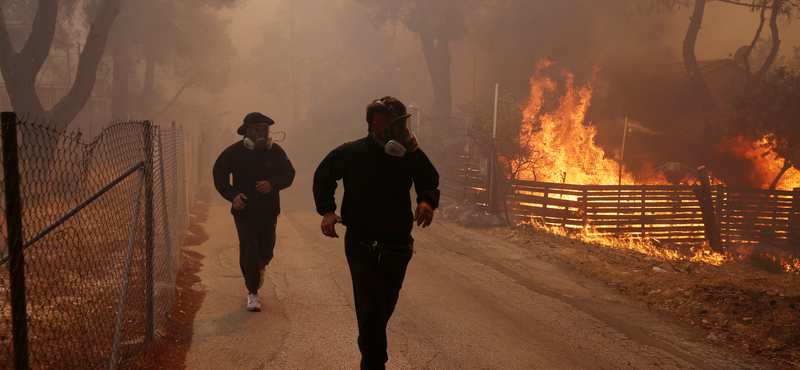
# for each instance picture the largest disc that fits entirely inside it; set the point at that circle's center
(437, 58)
(776, 42)
(147, 99)
(706, 101)
(19, 70)
(68, 108)
(122, 67)
(293, 40)
(746, 61)
(787, 164)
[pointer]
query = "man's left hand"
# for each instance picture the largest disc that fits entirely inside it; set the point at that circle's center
(423, 214)
(328, 225)
(263, 187)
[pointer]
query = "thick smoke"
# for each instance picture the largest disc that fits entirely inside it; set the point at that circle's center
(342, 61)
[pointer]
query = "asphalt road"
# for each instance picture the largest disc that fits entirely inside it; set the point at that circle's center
(469, 301)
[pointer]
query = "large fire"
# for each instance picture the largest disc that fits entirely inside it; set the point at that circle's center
(574, 158)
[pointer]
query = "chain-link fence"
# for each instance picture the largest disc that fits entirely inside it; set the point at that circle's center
(90, 239)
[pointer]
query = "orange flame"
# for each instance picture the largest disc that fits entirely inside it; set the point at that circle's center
(573, 156)
(768, 166)
(647, 246)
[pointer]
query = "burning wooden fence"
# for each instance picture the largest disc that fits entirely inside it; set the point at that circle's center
(658, 211)
(672, 214)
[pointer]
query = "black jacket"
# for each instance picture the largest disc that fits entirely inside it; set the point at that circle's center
(377, 201)
(248, 167)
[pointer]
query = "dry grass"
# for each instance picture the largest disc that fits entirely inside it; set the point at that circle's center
(744, 305)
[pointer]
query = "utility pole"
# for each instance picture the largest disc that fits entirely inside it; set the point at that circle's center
(492, 155)
(622, 152)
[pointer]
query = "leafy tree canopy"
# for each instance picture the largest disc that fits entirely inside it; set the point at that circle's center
(187, 34)
(443, 19)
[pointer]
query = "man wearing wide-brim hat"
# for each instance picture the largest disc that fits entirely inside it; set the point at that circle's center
(260, 169)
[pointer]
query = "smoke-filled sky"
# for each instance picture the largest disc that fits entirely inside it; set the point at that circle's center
(650, 38)
(345, 61)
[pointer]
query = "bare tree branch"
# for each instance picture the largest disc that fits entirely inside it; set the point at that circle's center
(752, 5)
(171, 102)
(786, 166)
(753, 44)
(707, 102)
(776, 42)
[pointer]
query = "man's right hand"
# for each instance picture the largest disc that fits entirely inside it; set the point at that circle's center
(238, 202)
(329, 221)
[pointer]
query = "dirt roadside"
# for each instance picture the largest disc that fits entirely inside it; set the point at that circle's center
(169, 351)
(739, 305)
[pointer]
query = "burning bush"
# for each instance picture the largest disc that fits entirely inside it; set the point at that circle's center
(515, 134)
(764, 114)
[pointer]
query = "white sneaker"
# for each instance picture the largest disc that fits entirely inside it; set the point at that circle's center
(252, 303)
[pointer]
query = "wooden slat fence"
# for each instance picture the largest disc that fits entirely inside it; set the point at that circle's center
(670, 213)
(755, 215)
(462, 180)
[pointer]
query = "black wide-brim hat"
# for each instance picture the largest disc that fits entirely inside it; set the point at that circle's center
(252, 119)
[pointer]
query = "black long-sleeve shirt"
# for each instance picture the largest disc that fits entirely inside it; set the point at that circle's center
(249, 167)
(377, 200)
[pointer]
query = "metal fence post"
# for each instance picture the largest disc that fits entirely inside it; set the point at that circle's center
(16, 263)
(167, 232)
(185, 205)
(125, 274)
(149, 232)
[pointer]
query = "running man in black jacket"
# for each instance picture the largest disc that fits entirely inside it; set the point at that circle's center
(260, 170)
(377, 173)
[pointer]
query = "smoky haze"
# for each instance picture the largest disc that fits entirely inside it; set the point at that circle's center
(343, 61)
(314, 65)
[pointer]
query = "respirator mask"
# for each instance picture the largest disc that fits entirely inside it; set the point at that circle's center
(258, 137)
(402, 142)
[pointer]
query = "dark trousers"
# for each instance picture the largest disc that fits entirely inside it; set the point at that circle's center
(375, 291)
(256, 245)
